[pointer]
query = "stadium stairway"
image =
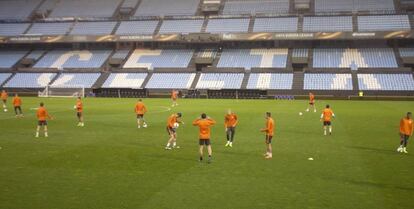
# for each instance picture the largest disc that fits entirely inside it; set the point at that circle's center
(355, 86)
(204, 26)
(355, 23)
(7, 80)
(158, 28)
(398, 56)
(245, 81)
(251, 24)
(101, 80)
(300, 24)
(144, 84)
(195, 81)
(33, 13)
(298, 80)
(54, 79)
(116, 12)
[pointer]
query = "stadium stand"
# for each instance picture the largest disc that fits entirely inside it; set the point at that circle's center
(30, 80)
(125, 80)
(130, 3)
(168, 58)
(327, 24)
(161, 8)
(300, 53)
(354, 58)
(121, 54)
(93, 28)
(83, 8)
(13, 29)
(386, 82)
(75, 80)
(274, 81)
(318, 81)
(170, 81)
(220, 81)
(17, 9)
(181, 26)
(9, 58)
(73, 59)
(50, 28)
(207, 53)
(36, 54)
(406, 52)
(284, 24)
(137, 27)
(253, 58)
(384, 23)
(228, 25)
(353, 5)
(256, 6)
(4, 77)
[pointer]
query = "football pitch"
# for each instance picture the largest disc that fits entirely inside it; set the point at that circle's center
(110, 164)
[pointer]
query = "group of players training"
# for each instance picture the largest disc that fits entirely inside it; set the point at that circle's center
(204, 123)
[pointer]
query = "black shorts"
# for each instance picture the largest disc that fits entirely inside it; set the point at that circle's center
(170, 130)
(79, 114)
(326, 123)
(140, 116)
(311, 103)
(4, 100)
(204, 142)
(269, 139)
(42, 123)
(404, 137)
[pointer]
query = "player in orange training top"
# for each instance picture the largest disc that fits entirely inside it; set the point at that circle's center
(311, 102)
(326, 118)
(269, 131)
(204, 123)
(4, 97)
(140, 110)
(79, 112)
(406, 130)
(42, 116)
(230, 123)
(172, 130)
(174, 97)
(17, 104)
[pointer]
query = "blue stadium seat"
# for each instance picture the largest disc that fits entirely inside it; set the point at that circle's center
(253, 58)
(30, 80)
(73, 59)
(274, 81)
(220, 81)
(170, 81)
(76, 80)
(150, 59)
(9, 58)
(315, 81)
(386, 82)
(125, 80)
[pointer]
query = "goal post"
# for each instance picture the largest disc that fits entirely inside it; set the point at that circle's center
(67, 92)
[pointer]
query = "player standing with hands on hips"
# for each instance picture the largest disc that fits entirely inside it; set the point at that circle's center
(269, 130)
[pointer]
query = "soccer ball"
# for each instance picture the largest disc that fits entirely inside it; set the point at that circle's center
(74, 107)
(300, 113)
(5, 110)
(176, 125)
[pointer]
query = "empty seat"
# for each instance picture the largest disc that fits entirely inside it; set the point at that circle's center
(386, 82)
(73, 59)
(30, 80)
(319, 81)
(83, 8)
(181, 26)
(137, 27)
(93, 28)
(170, 81)
(125, 80)
(163, 8)
(283, 24)
(168, 58)
(253, 58)
(273, 81)
(9, 58)
(256, 6)
(49, 28)
(220, 81)
(227, 25)
(13, 29)
(383, 23)
(75, 80)
(4, 77)
(327, 24)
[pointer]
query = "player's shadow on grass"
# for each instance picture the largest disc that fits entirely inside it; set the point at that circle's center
(384, 151)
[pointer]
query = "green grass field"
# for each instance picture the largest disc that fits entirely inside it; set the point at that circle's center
(110, 164)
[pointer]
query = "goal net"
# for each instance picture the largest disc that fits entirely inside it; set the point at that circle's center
(55, 91)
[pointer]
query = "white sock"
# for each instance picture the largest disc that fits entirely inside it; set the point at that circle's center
(174, 144)
(168, 145)
(37, 134)
(324, 132)
(46, 134)
(330, 130)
